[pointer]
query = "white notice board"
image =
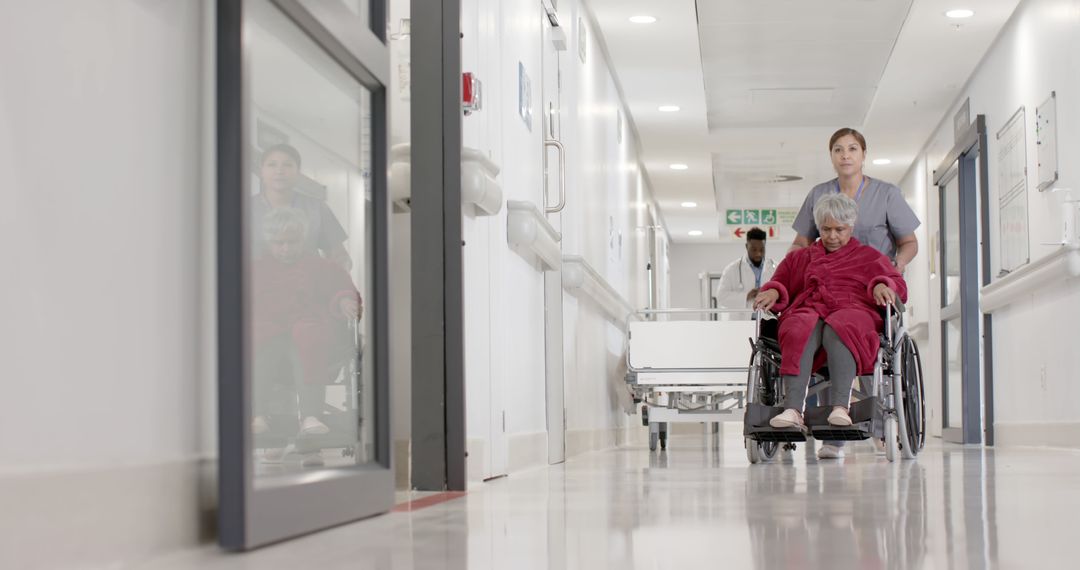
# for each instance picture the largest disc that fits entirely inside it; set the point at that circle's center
(1046, 141)
(1013, 201)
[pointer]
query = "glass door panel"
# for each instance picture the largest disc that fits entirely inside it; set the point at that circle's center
(954, 375)
(310, 258)
(302, 226)
(951, 247)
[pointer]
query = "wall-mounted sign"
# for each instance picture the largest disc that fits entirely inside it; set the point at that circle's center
(741, 231)
(1046, 141)
(582, 36)
(1013, 200)
(752, 217)
(525, 109)
(962, 120)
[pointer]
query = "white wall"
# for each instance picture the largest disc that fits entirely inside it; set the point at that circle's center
(606, 199)
(1034, 55)
(100, 143)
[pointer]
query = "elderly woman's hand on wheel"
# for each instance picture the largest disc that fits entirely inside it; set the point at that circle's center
(766, 299)
(883, 295)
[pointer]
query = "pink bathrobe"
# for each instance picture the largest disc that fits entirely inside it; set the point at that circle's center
(837, 287)
(302, 300)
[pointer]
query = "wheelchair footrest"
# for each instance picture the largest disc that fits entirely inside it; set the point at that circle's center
(866, 416)
(756, 425)
(854, 432)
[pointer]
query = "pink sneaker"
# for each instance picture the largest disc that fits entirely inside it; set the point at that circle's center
(789, 418)
(839, 417)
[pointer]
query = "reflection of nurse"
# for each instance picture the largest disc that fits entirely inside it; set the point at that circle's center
(279, 170)
(885, 220)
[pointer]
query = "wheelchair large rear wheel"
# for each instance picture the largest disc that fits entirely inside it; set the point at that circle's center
(914, 399)
(763, 382)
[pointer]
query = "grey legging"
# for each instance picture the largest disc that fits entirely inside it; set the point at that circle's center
(841, 369)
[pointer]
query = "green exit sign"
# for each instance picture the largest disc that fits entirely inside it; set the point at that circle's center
(751, 217)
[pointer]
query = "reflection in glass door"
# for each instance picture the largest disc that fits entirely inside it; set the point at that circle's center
(951, 312)
(302, 270)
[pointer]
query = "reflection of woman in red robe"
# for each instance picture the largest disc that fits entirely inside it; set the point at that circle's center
(302, 306)
(830, 294)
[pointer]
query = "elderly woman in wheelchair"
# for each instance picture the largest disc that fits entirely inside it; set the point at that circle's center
(304, 312)
(830, 297)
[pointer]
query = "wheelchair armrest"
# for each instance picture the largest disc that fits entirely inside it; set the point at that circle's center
(896, 309)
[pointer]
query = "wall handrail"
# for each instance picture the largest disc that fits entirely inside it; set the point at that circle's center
(1062, 264)
(578, 275)
(529, 232)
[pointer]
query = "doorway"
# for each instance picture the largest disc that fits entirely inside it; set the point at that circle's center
(967, 374)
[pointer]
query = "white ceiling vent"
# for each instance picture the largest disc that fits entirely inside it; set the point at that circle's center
(791, 96)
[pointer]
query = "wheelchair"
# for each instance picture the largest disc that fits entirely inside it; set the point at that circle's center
(341, 409)
(889, 406)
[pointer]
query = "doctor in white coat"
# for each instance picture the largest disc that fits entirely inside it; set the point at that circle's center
(742, 278)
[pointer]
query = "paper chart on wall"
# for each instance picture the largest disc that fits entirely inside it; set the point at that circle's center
(1013, 201)
(1046, 141)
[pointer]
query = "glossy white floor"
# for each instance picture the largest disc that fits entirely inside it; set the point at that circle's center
(700, 505)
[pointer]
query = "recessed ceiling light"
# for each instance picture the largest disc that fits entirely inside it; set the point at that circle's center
(679, 167)
(882, 161)
(642, 19)
(959, 13)
(689, 204)
(669, 108)
(695, 233)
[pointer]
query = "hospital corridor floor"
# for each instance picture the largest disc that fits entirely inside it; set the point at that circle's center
(701, 505)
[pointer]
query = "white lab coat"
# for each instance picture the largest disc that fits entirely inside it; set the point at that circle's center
(736, 281)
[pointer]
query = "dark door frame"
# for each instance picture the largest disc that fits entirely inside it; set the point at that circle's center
(438, 368)
(250, 516)
(969, 160)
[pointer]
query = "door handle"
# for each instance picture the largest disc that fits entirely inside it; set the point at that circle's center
(562, 176)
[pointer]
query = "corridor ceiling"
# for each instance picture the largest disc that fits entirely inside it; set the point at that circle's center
(762, 84)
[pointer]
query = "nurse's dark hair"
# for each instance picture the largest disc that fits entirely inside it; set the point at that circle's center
(755, 233)
(845, 132)
(287, 150)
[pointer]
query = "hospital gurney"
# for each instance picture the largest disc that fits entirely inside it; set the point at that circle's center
(688, 371)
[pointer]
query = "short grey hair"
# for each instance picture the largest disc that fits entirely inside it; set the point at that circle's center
(838, 207)
(281, 220)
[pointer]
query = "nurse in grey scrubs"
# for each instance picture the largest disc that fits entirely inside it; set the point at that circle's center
(279, 170)
(885, 221)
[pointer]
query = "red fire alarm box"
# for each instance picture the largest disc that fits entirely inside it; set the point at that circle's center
(471, 99)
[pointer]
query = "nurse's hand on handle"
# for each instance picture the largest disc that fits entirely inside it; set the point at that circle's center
(766, 299)
(883, 295)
